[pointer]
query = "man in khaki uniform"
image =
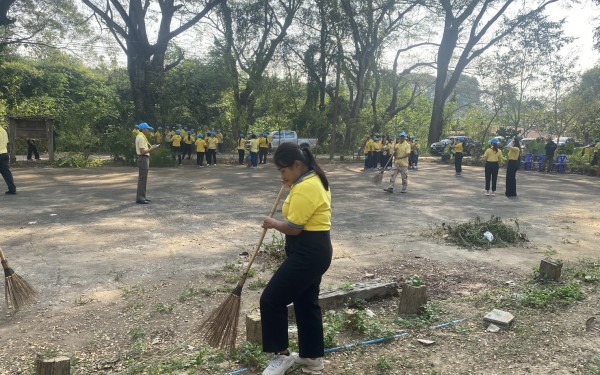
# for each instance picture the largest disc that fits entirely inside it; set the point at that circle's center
(4, 159)
(143, 150)
(401, 155)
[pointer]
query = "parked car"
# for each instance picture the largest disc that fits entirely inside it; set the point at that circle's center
(283, 136)
(438, 148)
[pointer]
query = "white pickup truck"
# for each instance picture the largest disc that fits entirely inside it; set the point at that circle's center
(283, 136)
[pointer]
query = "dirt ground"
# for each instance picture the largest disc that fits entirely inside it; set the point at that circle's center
(109, 271)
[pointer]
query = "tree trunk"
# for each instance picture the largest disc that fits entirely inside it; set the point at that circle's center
(412, 300)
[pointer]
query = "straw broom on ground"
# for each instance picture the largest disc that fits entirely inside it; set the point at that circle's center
(17, 292)
(379, 176)
(220, 328)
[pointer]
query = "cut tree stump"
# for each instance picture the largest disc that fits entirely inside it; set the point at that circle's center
(253, 328)
(412, 300)
(550, 270)
(53, 366)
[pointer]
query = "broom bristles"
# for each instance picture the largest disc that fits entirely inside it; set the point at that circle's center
(220, 328)
(378, 178)
(18, 292)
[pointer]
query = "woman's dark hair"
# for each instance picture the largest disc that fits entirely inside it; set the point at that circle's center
(287, 153)
(495, 147)
(516, 143)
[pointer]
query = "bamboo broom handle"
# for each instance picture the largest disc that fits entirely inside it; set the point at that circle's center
(264, 232)
(2, 258)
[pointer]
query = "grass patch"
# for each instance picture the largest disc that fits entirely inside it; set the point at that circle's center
(164, 308)
(543, 296)
(384, 365)
(257, 284)
(251, 355)
(470, 234)
(333, 323)
(136, 334)
(275, 250)
(431, 314)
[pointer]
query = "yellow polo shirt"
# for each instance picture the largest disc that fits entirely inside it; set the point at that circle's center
(241, 144)
(254, 145)
(513, 153)
(263, 142)
(402, 149)
(308, 206)
(219, 137)
(597, 147)
(200, 145)
(140, 143)
(377, 146)
(212, 143)
(458, 147)
(176, 140)
(491, 156)
(3, 141)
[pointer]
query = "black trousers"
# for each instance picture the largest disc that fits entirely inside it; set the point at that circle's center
(372, 163)
(458, 156)
(297, 281)
(211, 156)
(199, 158)
(177, 151)
(511, 178)
(6, 173)
(32, 151)
(491, 173)
(241, 154)
(262, 155)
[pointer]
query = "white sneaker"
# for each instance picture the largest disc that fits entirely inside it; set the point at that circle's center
(279, 364)
(487, 192)
(310, 366)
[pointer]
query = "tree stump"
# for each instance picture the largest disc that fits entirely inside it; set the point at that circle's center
(53, 366)
(550, 270)
(253, 328)
(412, 300)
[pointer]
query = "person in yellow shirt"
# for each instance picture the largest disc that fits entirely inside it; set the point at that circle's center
(493, 160)
(414, 153)
(514, 160)
(187, 144)
(158, 136)
(211, 149)
(143, 150)
(378, 152)
(169, 137)
(306, 226)
(200, 150)
(220, 144)
(4, 160)
(263, 148)
(401, 153)
(366, 153)
(459, 144)
(241, 148)
(371, 150)
(270, 140)
(254, 151)
(176, 146)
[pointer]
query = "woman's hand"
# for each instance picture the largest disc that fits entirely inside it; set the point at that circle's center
(269, 223)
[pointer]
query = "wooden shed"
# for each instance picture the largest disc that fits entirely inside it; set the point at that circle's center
(30, 128)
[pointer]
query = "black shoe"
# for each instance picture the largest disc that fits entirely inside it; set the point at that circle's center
(142, 202)
(148, 200)
(11, 192)
(389, 190)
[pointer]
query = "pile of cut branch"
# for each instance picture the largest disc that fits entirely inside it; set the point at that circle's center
(470, 234)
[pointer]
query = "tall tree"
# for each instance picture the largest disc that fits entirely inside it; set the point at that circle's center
(467, 23)
(253, 31)
(130, 21)
(41, 23)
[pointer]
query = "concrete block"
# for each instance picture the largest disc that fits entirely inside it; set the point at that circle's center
(368, 291)
(500, 318)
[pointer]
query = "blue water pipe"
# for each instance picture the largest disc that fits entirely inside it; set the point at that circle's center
(368, 342)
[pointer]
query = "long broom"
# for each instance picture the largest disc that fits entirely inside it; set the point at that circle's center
(17, 292)
(220, 328)
(379, 176)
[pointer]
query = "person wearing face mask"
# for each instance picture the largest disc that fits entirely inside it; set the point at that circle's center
(307, 224)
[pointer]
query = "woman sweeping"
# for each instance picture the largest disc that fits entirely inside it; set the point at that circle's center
(307, 212)
(511, 168)
(492, 158)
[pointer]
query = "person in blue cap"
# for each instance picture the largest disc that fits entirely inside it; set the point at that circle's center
(241, 148)
(4, 159)
(458, 155)
(176, 145)
(254, 151)
(143, 150)
(401, 155)
(493, 160)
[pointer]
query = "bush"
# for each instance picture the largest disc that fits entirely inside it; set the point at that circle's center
(163, 157)
(120, 143)
(578, 163)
